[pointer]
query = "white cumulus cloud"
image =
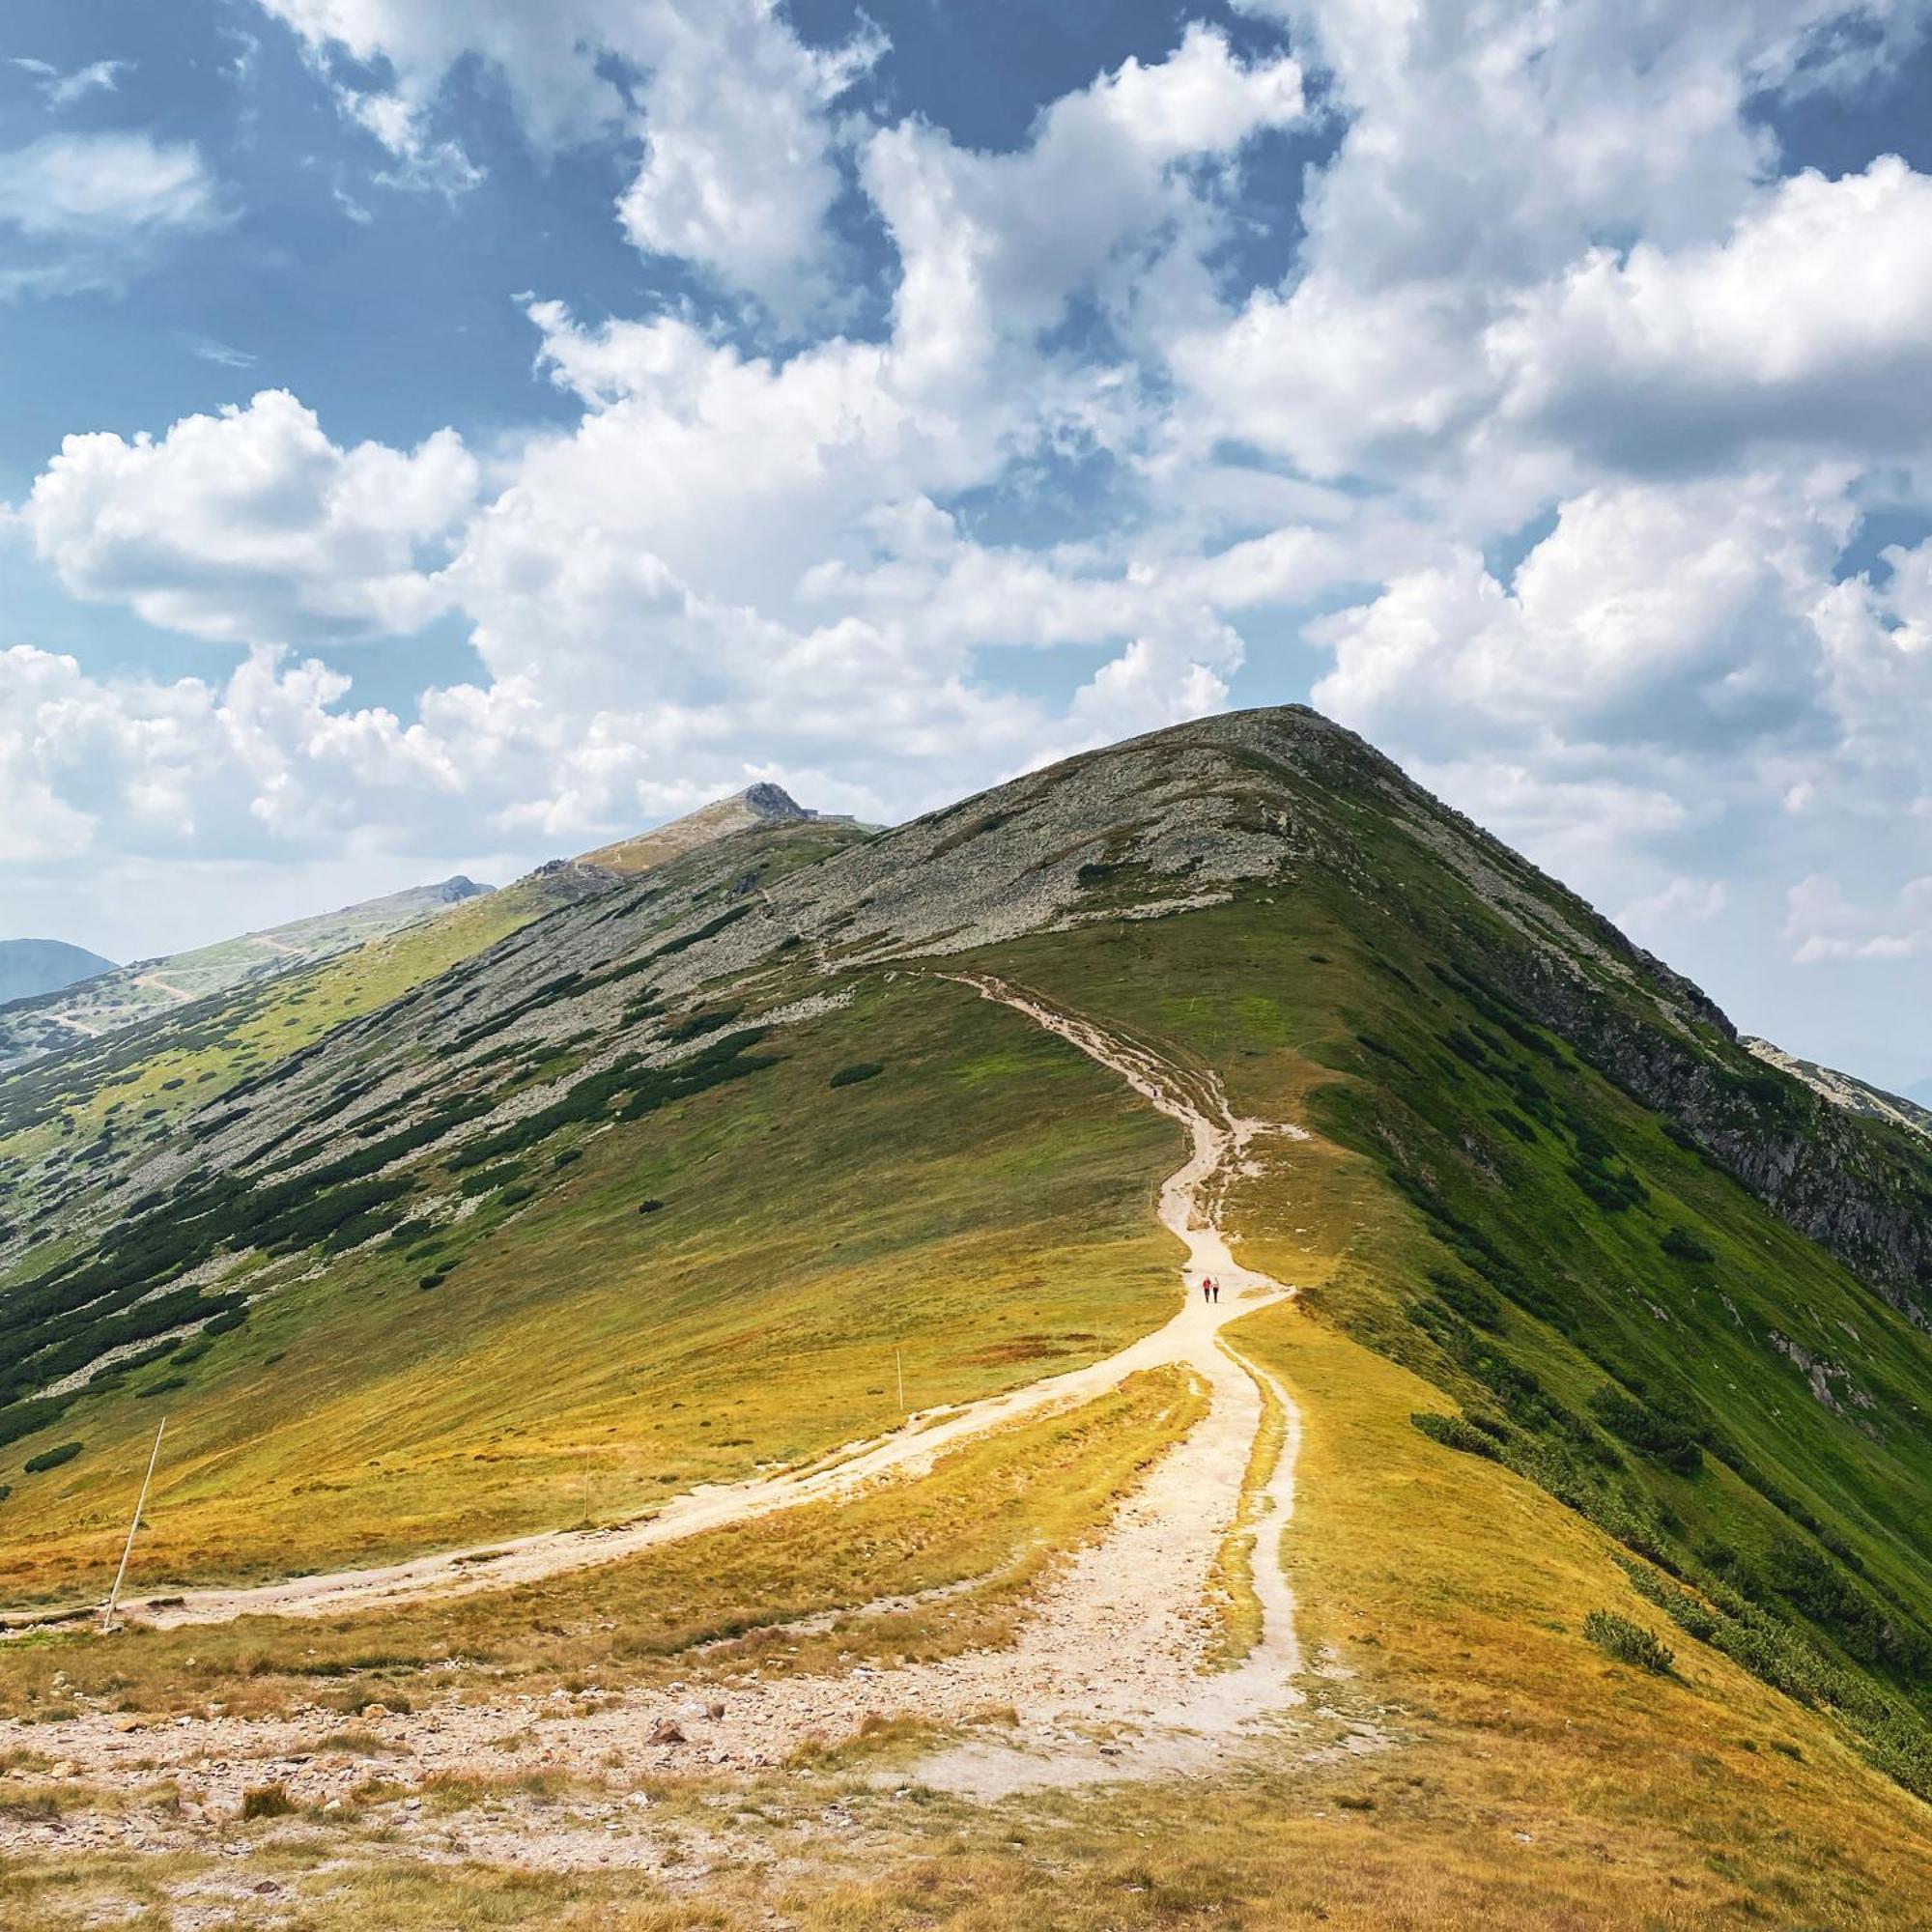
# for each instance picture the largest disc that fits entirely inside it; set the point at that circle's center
(252, 524)
(728, 108)
(1822, 922)
(1810, 323)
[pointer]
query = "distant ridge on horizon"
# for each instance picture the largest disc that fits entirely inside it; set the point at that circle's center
(30, 967)
(105, 997)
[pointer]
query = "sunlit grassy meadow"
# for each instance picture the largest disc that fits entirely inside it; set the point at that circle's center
(982, 1206)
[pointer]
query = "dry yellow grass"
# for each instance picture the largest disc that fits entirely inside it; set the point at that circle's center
(994, 1512)
(585, 1361)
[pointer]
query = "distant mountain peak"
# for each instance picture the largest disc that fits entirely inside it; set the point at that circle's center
(457, 887)
(760, 803)
(771, 800)
(30, 967)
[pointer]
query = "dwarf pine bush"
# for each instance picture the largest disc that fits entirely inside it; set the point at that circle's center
(1628, 1642)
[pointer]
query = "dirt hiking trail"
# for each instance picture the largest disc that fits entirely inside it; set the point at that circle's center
(1188, 1201)
(1109, 1675)
(157, 984)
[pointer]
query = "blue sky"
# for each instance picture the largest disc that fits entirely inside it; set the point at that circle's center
(441, 434)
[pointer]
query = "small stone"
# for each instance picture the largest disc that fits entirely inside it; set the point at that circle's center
(664, 1732)
(375, 1710)
(267, 1885)
(64, 1768)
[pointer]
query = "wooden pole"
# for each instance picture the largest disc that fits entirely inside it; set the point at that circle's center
(898, 1362)
(114, 1595)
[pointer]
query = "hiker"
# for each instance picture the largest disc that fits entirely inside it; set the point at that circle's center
(1214, 1294)
(1207, 1289)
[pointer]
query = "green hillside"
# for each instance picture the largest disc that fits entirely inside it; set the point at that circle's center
(1610, 1550)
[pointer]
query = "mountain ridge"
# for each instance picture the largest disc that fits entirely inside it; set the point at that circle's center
(653, 1194)
(1847, 1089)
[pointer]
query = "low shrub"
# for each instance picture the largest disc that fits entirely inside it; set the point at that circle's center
(488, 1179)
(1454, 1432)
(1628, 1642)
(1471, 1301)
(1669, 1431)
(267, 1800)
(860, 1070)
(51, 1459)
(1685, 1246)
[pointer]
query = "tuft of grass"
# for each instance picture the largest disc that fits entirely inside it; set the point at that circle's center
(1231, 1580)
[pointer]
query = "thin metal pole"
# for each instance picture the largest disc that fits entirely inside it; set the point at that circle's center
(114, 1595)
(898, 1362)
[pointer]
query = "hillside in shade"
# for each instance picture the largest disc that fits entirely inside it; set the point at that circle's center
(29, 967)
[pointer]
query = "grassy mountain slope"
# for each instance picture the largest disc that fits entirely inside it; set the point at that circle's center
(131, 1091)
(1597, 1314)
(571, 1352)
(74, 1126)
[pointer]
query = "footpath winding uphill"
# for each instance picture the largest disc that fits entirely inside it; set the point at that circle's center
(1109, 1675)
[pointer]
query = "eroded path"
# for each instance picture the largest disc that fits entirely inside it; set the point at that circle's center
(1106, 1679)
(156, 984)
